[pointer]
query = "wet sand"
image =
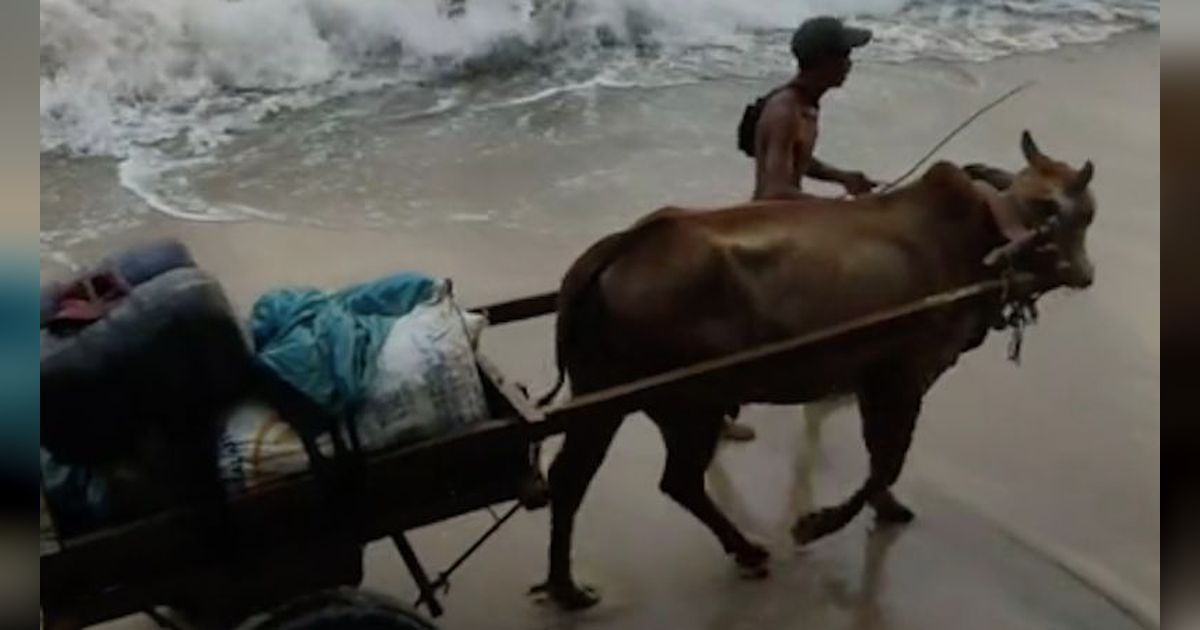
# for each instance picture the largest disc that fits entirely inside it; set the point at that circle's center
(1036, 487)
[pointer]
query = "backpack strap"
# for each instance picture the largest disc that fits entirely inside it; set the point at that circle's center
(748, 126)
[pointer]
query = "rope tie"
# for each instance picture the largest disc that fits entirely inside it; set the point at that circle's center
(1016, 312)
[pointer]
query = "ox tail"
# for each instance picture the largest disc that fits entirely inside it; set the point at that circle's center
(577, 287)
(580, 280)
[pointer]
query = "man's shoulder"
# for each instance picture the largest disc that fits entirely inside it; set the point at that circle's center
(785, 101)
(783, 96)
(782, 103)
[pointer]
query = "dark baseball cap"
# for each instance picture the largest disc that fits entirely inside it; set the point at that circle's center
(826, 36)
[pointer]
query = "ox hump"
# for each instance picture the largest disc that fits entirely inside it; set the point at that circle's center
(949, 183)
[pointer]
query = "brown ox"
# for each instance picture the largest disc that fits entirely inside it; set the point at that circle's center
(684, 286)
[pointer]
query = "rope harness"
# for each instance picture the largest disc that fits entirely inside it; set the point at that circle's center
(1019, 310)
(1016, 312)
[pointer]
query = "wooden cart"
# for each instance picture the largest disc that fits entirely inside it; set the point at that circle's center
(304, 540)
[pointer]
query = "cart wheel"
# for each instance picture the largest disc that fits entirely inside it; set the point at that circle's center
(347, 608)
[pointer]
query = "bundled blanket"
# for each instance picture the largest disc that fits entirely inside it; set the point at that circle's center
(325, 344)
(417, 381)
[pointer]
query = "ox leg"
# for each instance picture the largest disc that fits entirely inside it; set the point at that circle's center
(889, 407)
(691, 441)
(574, 467)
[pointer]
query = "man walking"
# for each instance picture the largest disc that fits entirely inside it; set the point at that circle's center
(780, 130)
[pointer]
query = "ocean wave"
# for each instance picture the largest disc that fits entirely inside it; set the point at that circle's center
(118, 76)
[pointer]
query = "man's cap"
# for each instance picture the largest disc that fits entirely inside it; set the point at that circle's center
(826, 36)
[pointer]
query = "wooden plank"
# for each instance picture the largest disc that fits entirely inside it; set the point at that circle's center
(519, 309)
(382, 504)
(100, 595)
(511, 393)
(127, 566)
(634, 396)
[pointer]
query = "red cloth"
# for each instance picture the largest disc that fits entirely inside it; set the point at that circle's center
(87, 300)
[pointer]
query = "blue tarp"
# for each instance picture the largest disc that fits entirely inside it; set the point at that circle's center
(326, 344)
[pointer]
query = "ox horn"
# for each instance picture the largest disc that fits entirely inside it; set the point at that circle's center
(1082, 179)
(1030, 148)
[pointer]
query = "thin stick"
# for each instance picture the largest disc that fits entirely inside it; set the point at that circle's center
(966, 123)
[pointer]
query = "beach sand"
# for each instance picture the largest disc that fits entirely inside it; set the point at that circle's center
(1036, 486)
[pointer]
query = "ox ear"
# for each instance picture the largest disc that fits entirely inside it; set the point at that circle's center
(1007, 217)
(1030, 149)
(999, 178)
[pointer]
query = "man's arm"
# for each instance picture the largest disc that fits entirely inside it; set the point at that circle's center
(776, 140)
(855, 182)
(824, 172)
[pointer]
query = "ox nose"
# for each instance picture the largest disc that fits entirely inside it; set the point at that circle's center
(1076, 276)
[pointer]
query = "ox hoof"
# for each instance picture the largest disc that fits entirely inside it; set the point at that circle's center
(568, 596)
(889, 511)
(817, 525)
(752, 562)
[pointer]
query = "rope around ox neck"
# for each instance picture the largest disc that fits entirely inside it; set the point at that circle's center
(1016, 312)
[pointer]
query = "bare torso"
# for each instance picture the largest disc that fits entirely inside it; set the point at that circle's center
(806, 140)
(785, 118)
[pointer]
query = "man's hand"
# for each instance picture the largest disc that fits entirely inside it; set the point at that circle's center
(856, 183)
